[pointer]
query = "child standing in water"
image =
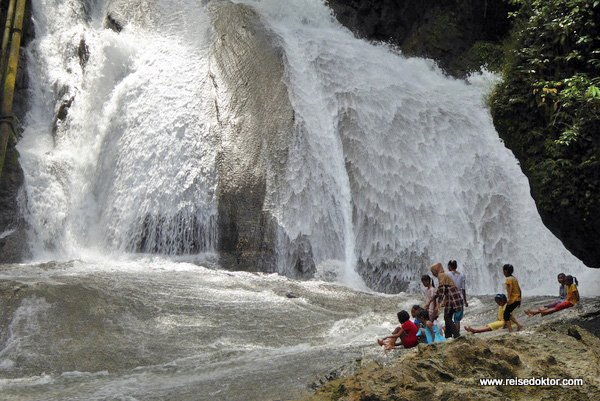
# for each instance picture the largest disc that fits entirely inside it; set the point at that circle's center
(407, 333)
(514, 297)
(498, 324)
(572, 299)
(430, 294)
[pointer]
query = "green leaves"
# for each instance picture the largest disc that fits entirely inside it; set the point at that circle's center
(568, 137)
(593, 91)
(556, 70)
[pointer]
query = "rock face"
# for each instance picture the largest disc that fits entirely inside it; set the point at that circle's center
(459, 35)
(451, 371)
(256, 124)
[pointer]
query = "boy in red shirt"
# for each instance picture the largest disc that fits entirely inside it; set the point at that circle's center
(406, 333)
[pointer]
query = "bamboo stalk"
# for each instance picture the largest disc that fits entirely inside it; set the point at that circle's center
(6, 36)
(10, 77)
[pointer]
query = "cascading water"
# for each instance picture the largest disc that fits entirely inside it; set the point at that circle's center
(395, 164)
(151, 120)
(391, 165)
(132, 167)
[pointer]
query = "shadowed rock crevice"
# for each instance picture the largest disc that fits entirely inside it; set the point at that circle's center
(459, 35)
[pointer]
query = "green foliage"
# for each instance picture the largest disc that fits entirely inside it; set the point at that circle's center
(488, 54)
(547, 110)
(558, 57)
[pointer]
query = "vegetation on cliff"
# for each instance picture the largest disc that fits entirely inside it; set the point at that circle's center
(547, 110)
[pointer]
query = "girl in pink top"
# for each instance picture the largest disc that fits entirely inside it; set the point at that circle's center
(430, 293)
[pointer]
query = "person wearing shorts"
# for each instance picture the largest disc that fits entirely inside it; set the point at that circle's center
(498, 324)
(513, 292)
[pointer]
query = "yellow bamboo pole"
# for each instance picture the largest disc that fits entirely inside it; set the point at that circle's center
(10, 77)
(6, 35)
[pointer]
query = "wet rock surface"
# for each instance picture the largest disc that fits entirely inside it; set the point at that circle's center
(255, 127)
(446, 31)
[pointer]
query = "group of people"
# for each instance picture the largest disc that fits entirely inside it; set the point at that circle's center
(451, 294)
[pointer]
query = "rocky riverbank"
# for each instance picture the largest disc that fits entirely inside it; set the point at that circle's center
(561, 349)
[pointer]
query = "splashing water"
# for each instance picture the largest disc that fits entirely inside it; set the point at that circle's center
(392, 163)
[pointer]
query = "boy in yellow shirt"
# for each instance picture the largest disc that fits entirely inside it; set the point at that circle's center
(514, 297)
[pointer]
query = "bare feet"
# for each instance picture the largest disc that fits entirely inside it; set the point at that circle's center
(519, 327)
(469, 329)
(380, 342)
(529, 312)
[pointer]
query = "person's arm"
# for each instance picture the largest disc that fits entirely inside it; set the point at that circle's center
(465, 297)
(509, 285)
(398, 334)
(464, 289)
(430, 328)
(576, 295)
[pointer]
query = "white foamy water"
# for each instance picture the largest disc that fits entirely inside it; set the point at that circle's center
(154, 329)
(136, 156)
(409, 155)
(391, 162)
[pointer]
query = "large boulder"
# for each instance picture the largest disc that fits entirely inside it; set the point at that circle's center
(256, 124)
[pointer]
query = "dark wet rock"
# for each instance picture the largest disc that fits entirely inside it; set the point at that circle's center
(83, 52)
(455, 33)
(111, 22)
(390, 272)
(13, 238)
(300, 258)
(61, 114)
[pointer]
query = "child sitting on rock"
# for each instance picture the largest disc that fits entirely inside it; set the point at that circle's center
(572, 299)
(431, 330)
(414, 311)
(498, 324)
(406, 333)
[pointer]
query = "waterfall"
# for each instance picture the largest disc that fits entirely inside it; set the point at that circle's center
(132, 167)
(390, 165)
